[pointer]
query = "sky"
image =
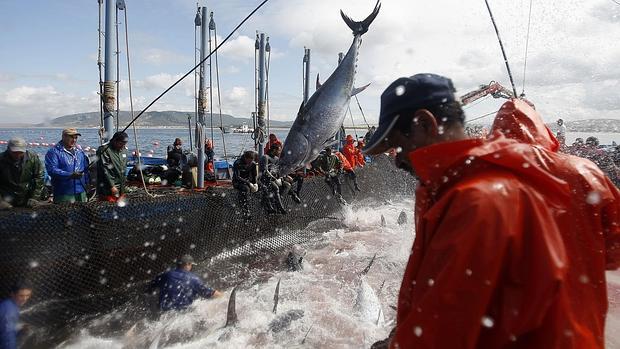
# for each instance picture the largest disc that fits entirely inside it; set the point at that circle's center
(48, 53)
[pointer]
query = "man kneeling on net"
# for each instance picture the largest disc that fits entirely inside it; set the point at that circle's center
(245, 174)
(274, 187)
(179, 287)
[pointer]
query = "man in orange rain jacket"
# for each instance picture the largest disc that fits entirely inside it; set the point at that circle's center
(348, 170)
(361, 161)
(505, 254)
(273, 139)
(350, 151)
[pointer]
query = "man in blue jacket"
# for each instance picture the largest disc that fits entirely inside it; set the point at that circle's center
(67, 165)
(9, 315)
(179, 287)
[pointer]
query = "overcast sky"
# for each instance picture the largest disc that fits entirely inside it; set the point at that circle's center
(48, 52)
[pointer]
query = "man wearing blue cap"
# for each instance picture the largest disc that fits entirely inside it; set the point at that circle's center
(494, 264)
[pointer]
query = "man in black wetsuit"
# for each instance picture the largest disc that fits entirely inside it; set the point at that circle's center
(244, 179)
(274, 187)
(175, 160)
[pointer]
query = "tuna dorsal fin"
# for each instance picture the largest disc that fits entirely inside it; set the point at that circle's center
(276, 297)
(318, 81)
(231, 315)
(365, 271)
(357, 90)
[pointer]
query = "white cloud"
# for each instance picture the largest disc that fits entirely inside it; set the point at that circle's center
(157, 56)
(240, 48)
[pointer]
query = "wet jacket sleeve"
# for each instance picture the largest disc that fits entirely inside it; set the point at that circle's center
(37, 177)
(105, 163)
(52, 167)
(8, 329)
(199, 288)
(474, 248)
(611, 228)
(236, 175)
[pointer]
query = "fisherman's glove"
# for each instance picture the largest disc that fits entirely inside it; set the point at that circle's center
(5, 205)
(32, 203)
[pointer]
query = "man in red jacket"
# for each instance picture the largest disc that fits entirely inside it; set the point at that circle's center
(507, 252)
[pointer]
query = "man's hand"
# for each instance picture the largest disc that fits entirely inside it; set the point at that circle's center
(5, 205)
(76, 175)
(32, 203)
(114, 191)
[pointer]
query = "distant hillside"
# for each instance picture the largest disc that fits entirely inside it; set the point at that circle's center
(150, 119)
(592, 125)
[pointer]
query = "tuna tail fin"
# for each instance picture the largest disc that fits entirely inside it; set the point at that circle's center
(365, 271)
(357, 90)
(231, 316)
(360, 28)
(276, 297)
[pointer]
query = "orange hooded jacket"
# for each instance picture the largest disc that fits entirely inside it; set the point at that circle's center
(346, 165)
(505, 256)
(350, 151)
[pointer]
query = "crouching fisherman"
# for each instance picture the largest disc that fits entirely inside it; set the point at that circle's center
(111, 168)
(179, 287)
(9, 315)
(329, 165)
(21, 176)
(244, 179)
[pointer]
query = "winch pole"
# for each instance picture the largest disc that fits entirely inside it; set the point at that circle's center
(260, 119)
(202, 99)
(109, 83)
(307, 74)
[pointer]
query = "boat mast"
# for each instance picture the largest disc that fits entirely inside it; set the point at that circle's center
(306, 74)
(202, 99)
(260, 118)
(109, 84)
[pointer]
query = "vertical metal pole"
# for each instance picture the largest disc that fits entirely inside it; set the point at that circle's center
(307, 75)
(189, 127)
(202, 100)
(109, 87)
(261, 95)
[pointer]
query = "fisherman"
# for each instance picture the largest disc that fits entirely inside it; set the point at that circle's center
(111, 168)
(20, 293)
(244, 179)
(504, 253)
(209, 160)
(347, 169)
(361, 160)
(369, 134)
(601, 158)
(67, 165)
(175, 154)
(273, 140)
(561, 134)
(179, 287)
(271, 183)
(350, 151)
(328, 165)
(21, 176)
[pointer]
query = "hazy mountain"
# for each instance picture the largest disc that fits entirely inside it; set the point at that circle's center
(151, 119)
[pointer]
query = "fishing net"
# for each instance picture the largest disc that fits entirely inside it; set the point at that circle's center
(83, 258)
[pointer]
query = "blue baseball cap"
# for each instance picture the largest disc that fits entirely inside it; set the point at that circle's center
(408, 94)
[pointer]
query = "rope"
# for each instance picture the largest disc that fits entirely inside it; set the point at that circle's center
(483, 116)
(527, 41)
(267, 92)
(118, 64)
(211, 84)
(219, 104)
(194, 68)
(135, 131)
(100, 64)
(501, 45)
(361, 111)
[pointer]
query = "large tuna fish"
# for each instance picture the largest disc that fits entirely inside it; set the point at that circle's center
(321, 117)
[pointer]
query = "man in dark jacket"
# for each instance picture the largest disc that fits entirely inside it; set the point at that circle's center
(67, 165)
(330, 165)
(179, 287)
(111, 167)
(244, 179)
(21, 176)
(9, 315)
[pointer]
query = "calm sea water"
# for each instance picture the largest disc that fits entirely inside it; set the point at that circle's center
(153, 141)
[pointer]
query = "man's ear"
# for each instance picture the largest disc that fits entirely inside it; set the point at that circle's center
(425, 120)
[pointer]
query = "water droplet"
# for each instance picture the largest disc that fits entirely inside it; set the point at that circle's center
(103, 281)
(584, 279)
(468, 272)
(431, 282)
(33, 264)
(593, 198)
(526, 165)
(33, 215)
(400, 90)
(417, 331)
(192, 246)
(121, 202)
(180, 219)
(487, 322)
